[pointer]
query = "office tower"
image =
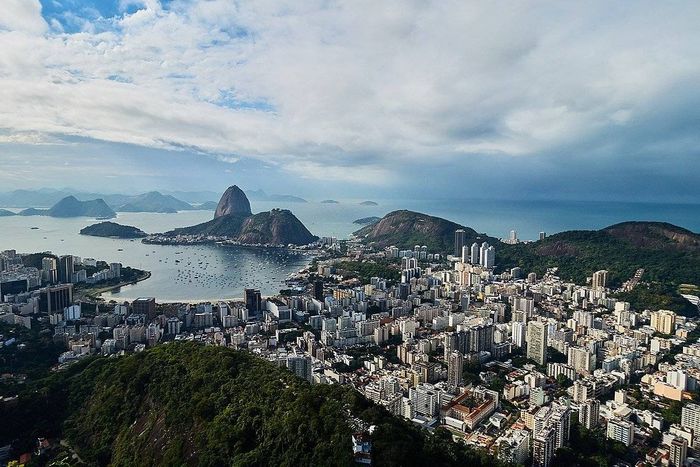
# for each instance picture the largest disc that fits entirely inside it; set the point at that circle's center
(678, 452)
(543, 235)
(253, 302)
(455, 367)
(55, 299)
(144, 306)
(49, 270)
(537, 342)
(474, 254)
(621, 430)
(489, 257)
(690, 417)
(66, 268)
(460, 238)
(599, 279)
(318, 290)
(663, 321)
(465, 254)
(589, 413)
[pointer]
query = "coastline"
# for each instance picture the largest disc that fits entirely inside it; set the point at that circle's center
(97, 292)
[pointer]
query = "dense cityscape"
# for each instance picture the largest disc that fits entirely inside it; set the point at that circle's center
(517, 365)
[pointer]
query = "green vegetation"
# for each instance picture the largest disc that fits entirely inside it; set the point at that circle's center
(112, 229)
(405, 229)
(35, 359)
(668, 254)
(183, 403)
(657, 296)
(365, 270)
(591, 448)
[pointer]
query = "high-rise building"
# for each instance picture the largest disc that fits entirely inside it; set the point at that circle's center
(474, 253)
(318, 290)
(49, 270)
(599, 279)
(144, 306)
(589, 413)
(482, 253)
(537, 342)
(690, 417)
(55, 299)
(460, 239)
(465, 254)
(621, 430)
(543, 235)
(489, 257)
(455, 367)
(543, 446)
(582, 359)
(663, 321)
(678, 452)
(253, 302)
(66, 268)
(518, 333)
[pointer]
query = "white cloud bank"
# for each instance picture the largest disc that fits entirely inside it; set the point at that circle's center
(332, 89)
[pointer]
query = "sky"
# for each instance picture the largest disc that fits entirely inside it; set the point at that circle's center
(505, 100)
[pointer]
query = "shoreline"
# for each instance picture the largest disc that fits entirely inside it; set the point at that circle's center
(97, 293)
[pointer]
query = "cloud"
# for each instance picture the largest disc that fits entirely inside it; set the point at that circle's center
(359, 91)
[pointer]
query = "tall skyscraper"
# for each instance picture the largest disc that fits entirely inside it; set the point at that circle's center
(465, 254)
(49, 270)
(537, 342)
(599, 279)
(489, 257)
(455, 367)
(253, 301)
(318, 290)
(460, 238)
(474, 255)
(482, 253)
(66, 267)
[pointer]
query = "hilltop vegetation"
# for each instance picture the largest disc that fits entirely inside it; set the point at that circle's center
(668, 253)
(405, 229)
(183, 403)
(112, 229)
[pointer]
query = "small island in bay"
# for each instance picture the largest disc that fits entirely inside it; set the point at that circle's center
(367, 220)
(330, 201)
(369, 203)
(114, 230)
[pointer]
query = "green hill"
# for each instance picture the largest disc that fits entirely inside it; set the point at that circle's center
(668, 253)
(112, 229)
(405, 229)
(189, 404)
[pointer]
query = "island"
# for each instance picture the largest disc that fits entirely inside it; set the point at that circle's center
(330, 201)
(369, 203)
(6, 213)
(113, 230)
(367, 220)
(154, 202)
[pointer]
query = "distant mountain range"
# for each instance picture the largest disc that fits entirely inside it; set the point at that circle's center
(233, 219)
(153, 201)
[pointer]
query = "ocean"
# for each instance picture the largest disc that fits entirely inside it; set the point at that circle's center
(209, 272)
